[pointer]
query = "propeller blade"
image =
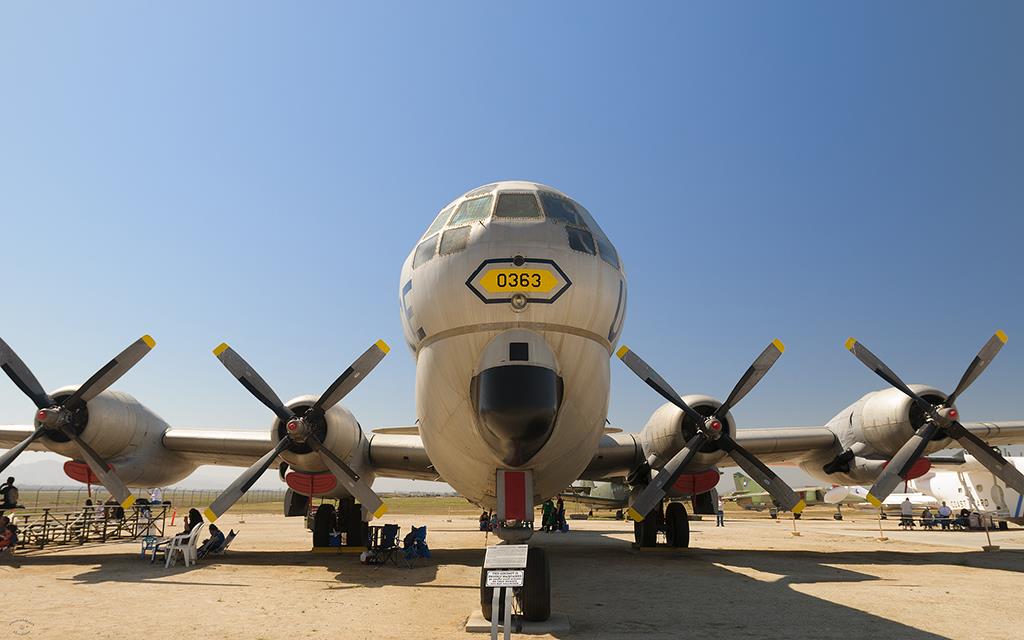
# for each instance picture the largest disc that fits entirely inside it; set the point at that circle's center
(22, 377)
(8, 458)
(252, 381)
(352, 376)
(988, 457)
(894, 473)
(656, 382)
(778, 489)
(110, 372)
(984, 357)
(655, 491)
(117, 488)
(885, 373)
(349, 479)
(236, 489)
(752, 376)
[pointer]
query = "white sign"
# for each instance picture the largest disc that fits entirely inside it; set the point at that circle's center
(506, 556)
(505, 578)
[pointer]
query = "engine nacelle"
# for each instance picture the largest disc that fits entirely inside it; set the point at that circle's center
(124, 432)
(881, 422)
(668, 429)
(340, 432)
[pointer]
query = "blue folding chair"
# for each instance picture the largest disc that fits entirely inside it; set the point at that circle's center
(414, 546)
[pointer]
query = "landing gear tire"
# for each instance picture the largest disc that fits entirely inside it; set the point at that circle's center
(677, 525)
(535, 594)
(645, 532)
(323, 523)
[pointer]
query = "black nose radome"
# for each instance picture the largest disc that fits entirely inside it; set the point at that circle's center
(517, 405)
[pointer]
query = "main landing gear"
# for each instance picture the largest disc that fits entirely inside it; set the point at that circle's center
(670, 519)
(533, 599)
(346, 519)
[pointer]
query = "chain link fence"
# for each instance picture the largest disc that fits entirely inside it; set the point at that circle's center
(43, 496)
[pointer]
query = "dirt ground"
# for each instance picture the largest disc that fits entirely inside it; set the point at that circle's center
(750, 579)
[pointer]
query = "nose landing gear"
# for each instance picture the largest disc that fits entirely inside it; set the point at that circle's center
(533, 599)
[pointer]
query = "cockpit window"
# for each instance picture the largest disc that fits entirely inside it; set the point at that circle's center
(487, 188)
(473, 210)
(580, 240)
(608, 253)
(559, 209)
(425, 251)
(604, 245)
(439, 221)
(517, 205)
(454, 240)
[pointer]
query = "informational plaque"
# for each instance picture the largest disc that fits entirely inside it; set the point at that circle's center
(506, 556)
(505, 577)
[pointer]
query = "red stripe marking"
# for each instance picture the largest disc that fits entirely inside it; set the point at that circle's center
(515, 495)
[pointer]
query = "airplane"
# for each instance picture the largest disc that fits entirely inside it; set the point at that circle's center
(512, 303)
(752, 496)
(962, 482)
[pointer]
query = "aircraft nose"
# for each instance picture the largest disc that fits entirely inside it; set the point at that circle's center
(517, 394)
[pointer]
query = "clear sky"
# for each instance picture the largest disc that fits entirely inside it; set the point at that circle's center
(257, 172)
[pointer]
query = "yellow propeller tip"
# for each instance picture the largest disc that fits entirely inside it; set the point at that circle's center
(221, 348)
(210, 515)
(1002, 336)
(778, 345)
(623, 350)
(128, 502)
(380, 510)
(148, 339)
(634, 515)
(383, 346)
(850, 342)
(874, 501)
(800, 506)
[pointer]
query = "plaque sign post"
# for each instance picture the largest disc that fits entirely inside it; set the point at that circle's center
(505, 565)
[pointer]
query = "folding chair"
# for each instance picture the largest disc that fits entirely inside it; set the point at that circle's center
(415, 546)
(383, 545)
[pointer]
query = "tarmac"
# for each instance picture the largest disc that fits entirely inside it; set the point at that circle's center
(749, 579)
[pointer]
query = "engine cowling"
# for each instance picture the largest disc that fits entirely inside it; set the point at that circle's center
(668, 429)
(123, 431)
(881, 422)
(340, 432)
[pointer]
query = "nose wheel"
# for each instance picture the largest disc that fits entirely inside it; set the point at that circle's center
(533, 599)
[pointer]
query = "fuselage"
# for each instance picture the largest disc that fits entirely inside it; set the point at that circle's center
(512, 303)
(972, 486)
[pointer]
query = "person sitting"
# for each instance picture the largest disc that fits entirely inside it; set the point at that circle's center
(485, 518)
(8, 494)
(928, 519)
(944, 513)
(192, 520)
(962, 520)
(9, 537)
(212, 544)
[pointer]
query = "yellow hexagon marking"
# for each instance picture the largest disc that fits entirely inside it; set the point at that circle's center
(505, 280)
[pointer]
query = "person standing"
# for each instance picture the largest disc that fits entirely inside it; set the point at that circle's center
(720, 513)
(907, 513)
(560, 516)
(547, 515)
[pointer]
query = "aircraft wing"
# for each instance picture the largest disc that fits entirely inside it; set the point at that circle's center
(12, 434)
(786, 444)
(995, 433)
(394, 453)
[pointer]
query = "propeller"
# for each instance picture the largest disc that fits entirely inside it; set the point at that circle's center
(938, 417)
(60, 417)
(709, 429)
(300, 429)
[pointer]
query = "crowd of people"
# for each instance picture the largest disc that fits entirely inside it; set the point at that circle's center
(552, 518)
(942, 517)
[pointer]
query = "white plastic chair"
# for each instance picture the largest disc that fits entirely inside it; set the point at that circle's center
(186, 545)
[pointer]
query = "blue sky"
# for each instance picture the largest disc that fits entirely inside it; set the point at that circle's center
(257, 172)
